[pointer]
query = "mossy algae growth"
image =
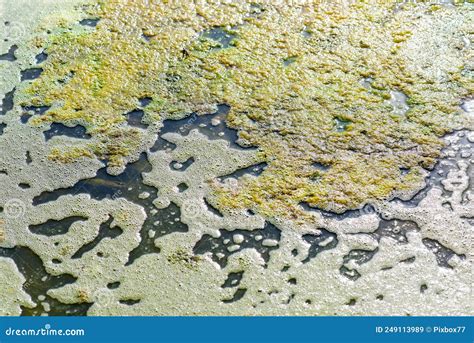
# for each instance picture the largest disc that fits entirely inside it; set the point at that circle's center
(291, 74)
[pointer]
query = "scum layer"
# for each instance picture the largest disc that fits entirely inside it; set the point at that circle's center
(308, 84)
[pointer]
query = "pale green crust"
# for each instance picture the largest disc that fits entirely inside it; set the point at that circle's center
(404, 276)
(290, 75)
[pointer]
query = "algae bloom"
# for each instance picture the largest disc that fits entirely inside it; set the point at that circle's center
(345, 102)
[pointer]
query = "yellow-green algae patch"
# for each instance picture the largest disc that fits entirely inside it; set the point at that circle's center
(182, 257)
(292, 74)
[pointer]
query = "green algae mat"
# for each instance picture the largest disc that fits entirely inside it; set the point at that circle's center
(236, 157)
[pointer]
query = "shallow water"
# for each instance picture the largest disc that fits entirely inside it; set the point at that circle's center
(128, 185)
(160, 222)
(38, 282)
